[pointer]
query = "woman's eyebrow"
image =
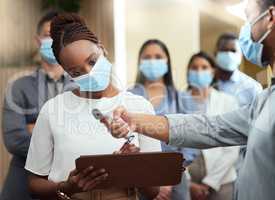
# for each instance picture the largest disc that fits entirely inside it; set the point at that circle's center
(92, 55)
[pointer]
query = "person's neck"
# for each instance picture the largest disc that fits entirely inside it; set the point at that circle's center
(110, 91)
(54, 71)
(224, 75)
(153, 84)
(201, 94)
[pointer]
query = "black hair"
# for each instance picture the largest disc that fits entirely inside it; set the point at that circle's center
(265, 4)
(205, 56)
(224, 38)
(168, 77)
(70, 27)
(46, 18)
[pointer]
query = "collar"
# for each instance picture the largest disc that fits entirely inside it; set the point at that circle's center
(235, 76)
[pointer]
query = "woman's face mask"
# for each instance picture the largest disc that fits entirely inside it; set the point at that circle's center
(200, 79)
(253, 50)
(98, 78)
(153, 69)
(46, 51)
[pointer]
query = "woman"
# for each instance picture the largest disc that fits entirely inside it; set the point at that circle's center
(213, 172)
(66, 128)
(253, 125)
(155, 83)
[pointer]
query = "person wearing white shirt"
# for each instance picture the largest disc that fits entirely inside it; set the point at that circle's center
(66, 129)
(213, 172)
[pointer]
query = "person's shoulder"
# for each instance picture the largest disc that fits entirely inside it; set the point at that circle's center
(136, 89)
(24, 82)
(249, 80)
(54, 104)
(130, 96)
(137, 103)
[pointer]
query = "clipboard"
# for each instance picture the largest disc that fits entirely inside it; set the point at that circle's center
(136, 170)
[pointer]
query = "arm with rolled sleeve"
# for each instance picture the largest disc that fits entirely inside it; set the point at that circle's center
(201, 131)
(15, 134)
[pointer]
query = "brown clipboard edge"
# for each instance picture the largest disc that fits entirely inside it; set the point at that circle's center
(126, 155)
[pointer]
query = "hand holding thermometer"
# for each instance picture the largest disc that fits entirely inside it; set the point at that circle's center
(99, 116)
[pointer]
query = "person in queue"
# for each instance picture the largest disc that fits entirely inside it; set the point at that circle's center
(252, 125)
(155, 83)
(213, 172)
(66, 129)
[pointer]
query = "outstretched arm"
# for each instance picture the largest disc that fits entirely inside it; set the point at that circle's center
(195, 131)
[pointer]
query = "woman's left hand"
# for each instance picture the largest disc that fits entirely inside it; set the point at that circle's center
(128, 149)
(164, 193)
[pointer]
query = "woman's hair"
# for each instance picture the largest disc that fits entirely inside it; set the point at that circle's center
(205, 56)
(67, 28)
(168, 77)
(265, 4)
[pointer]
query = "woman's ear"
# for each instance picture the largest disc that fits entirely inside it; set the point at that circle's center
(271, 24)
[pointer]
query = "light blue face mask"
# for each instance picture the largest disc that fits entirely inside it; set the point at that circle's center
(200, 79)
(253, 50)
(153, 69)
(228, 61)
(97, 79)
(47, 52)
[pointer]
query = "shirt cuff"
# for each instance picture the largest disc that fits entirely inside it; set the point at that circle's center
(176, 129)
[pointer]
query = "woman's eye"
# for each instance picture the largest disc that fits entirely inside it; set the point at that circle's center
(92, 62)
(76, 74)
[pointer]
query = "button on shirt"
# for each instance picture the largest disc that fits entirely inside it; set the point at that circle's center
(252, 125)
(241, 86)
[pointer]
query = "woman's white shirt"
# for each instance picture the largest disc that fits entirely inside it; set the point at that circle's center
(220, 162)
(66, 129)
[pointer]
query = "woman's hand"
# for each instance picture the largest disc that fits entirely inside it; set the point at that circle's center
(164, 193)
(82, 181)
(199, 191)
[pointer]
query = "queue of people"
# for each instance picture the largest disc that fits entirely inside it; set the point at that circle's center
(48, 121)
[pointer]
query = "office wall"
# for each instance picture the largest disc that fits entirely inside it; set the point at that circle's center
(17, 19)
(175, 22)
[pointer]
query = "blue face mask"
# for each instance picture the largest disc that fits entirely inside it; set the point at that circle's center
(153, 69)
(47, 52)
(228, 61)
(200, 79)
(253, 50)
(97, 79)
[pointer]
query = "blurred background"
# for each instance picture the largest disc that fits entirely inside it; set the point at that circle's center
(186, 26)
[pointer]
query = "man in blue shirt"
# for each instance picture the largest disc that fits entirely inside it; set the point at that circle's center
(230, 79)
(23, 101)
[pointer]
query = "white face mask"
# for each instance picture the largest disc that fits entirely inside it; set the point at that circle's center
(229, 61)
(97, 79)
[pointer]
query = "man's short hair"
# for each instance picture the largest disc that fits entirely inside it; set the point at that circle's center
(225, 38)
(46, 18)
